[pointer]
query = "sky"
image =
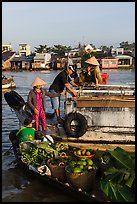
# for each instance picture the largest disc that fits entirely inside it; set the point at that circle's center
(68, 23)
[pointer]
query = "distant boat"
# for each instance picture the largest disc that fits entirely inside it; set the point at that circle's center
(8, 82)
(45, 71)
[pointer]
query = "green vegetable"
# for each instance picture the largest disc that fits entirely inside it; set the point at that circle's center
(130, 180)
(127, 174)
(119, 175)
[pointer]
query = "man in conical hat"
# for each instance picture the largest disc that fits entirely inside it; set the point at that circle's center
(93, 72)
(37, 103)
(92, 61)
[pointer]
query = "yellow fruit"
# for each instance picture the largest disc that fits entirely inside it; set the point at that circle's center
(90, 167)
(83, 152)
(88, 153)
(78, 152)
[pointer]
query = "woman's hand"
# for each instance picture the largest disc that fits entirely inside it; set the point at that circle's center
(36, 111)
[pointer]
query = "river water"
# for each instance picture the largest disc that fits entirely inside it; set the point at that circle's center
(16, 185)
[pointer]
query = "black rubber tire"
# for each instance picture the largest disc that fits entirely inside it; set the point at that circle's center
(75, 125)
(14, 100)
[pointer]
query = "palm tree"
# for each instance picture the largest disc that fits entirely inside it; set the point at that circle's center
(41, 49)
(60, 50)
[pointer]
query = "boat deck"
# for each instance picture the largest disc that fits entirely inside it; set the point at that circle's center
(94, 139)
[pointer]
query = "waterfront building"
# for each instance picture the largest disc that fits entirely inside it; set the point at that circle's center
(24, 49)
(7, 47)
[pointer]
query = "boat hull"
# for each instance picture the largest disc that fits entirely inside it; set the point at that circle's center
(8, 83)
(110, 115)
(81, 195)
(111, 109)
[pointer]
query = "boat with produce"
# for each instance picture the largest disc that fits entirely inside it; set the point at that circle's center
(88, 174)
(8, 82)
(102, 118)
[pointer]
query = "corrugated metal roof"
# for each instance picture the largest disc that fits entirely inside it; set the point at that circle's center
(19, 59)
(39, 57)
(123, 57)
(7, 55)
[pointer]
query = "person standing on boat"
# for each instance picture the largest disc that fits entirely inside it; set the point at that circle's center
(62, 81)
(92, 75)
(37, 103)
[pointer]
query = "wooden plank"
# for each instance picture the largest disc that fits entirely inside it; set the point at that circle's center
(103, 147)
(105, 98)
(108, 86)
(94, 145)
(105, 103)
(114, 92)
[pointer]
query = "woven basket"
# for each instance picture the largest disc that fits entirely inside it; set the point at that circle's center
(81, 181)
(57, 171)
(85, 156)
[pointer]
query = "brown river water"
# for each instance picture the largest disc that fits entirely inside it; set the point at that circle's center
(17, 186)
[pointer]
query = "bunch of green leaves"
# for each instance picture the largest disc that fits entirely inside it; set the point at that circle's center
(48, 148)
(35, 156)
(118, 180)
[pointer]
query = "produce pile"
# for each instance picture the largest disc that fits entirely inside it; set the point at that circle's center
(115, 168)
(62, 154)
(84, 152)
(36, 156)
(81, 165)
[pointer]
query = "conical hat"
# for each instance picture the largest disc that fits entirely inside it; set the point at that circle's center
(39, 82)
(92, 61)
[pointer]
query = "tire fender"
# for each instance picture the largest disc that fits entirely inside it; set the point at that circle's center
(75, 125)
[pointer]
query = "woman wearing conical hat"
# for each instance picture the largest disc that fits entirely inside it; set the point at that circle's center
(93, 72)
(37, 103)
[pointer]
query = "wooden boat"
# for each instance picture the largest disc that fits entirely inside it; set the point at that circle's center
(45, 71)
(95, 195)
(21, 108)
(8, 82)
